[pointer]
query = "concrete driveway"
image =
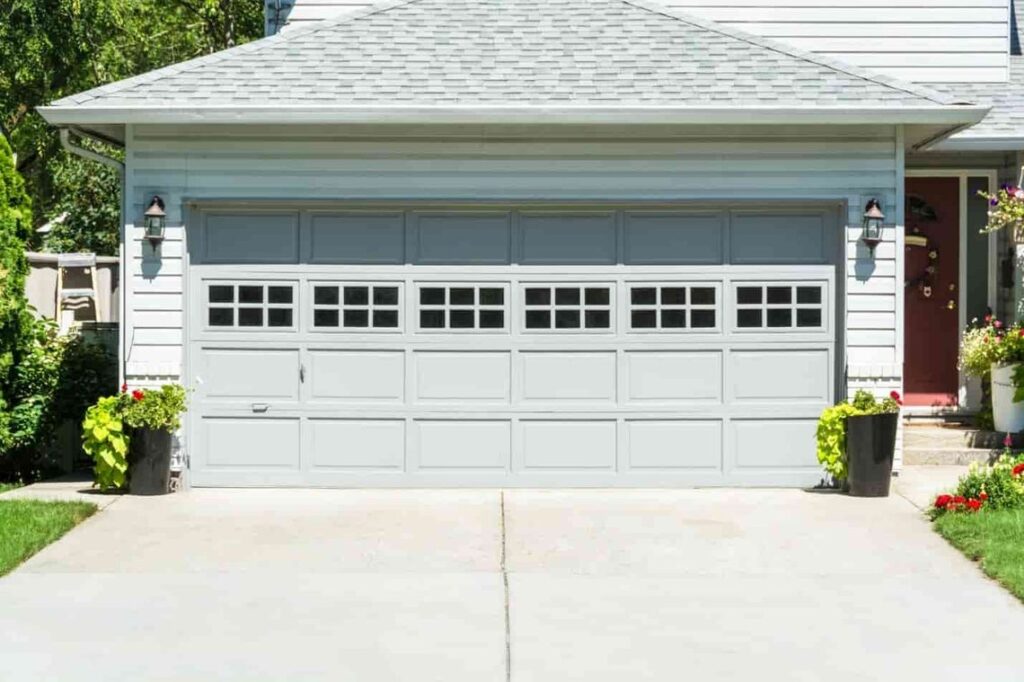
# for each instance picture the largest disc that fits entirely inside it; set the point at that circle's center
(522, 585)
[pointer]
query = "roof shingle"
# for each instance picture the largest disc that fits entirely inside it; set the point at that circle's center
(522, 52)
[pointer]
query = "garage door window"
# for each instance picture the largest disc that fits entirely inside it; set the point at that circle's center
(356, 306)
(673, 307)
(567, 308)
(462, 307)
(248, 305)
(779, 306)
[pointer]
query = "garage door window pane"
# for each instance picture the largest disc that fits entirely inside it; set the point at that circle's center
(780, 317)
(325, 295)
(250, 317)
(597, 319)
(385, 319)
(644, 296)
(279, 317)
(673, 296)
(745, 295)
(220, 293)
(748, 318)
(460, 319)
(597, 296)
(565, 296)
(492, 319)
(325, 318)
(538, 319)
(567, 319)
(357, 295)
(432, 319)
(644, 319)
(702, 319)
(356, 318)
(808, 294)
(491, 296)
(461, 296)
(673, 319)
(222, 317)
(385, 296)
(808, 318)
(279, 294)
(779, 295)
(432, 296)
(535, 296)
(250, 294)
(702, 296)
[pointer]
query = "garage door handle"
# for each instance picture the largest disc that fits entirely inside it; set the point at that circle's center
(260, 407)
(302, 373)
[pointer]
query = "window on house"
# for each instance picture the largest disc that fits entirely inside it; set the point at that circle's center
(780, 306)
(462, 307)
(563, 307)
(258, 305)
(356, 306)
(673, 307)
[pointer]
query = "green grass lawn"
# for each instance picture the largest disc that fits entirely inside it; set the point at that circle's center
(995, 539)
(26, 526)
(4, 487)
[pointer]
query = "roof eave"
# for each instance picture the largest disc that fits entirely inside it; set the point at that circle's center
(953, 115)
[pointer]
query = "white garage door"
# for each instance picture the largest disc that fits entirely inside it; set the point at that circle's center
(533, 347)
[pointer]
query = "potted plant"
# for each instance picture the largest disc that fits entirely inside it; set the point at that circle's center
(129, 437)
(1006, 211)
(856, 442)
(992, 351)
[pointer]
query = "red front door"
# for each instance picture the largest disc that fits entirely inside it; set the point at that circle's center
(932, 291)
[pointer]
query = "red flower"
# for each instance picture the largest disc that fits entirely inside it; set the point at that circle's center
(124, 387)
(959, 499)
(1019, 469)
(895, 395)
(1020, 333)
(942, 501)
(988, 318)
(983, 496)
(973, 504)
(138, 395)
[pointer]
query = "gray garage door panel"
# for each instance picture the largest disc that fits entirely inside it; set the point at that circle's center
(477, 371)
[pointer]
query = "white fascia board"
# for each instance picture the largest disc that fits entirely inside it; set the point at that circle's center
(981, 144)
(85, 115)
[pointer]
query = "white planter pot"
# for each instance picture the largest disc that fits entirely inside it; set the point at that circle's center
(1007, 415)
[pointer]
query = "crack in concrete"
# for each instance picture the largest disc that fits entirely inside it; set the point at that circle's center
(504, 580)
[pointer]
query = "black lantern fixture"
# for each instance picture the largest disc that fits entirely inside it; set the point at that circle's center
(873, 219)
(155, 218)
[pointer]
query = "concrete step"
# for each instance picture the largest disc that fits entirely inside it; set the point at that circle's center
(951, 443)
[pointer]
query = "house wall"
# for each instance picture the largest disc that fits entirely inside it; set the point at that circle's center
(915, 40)
(845, 165)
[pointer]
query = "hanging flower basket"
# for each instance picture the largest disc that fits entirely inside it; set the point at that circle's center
(1006, 211)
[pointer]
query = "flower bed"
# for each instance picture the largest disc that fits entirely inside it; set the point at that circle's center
(999, 486)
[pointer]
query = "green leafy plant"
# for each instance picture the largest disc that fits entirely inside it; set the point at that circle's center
(105, 440)
(158, 409)
(996, 486)
(831, 432)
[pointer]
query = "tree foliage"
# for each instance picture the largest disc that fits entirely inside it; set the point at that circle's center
(53, 48)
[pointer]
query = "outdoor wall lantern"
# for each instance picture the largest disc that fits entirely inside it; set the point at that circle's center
(155, 219)
(873, 219)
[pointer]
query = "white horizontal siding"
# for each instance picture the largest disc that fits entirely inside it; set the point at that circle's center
(916, 40)
(848, 165)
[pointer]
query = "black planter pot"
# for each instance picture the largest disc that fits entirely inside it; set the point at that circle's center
(149, 467)
(870, 443)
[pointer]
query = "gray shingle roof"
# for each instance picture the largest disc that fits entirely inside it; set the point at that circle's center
(1006, 119)
(522, 52)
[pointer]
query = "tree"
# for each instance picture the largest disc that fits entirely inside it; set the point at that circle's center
(53, 48)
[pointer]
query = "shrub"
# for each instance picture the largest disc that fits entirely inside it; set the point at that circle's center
(999, 486)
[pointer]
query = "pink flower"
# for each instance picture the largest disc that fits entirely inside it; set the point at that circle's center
(895, 395)
(1019, 194)
(1008, 441)
(997, 324)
